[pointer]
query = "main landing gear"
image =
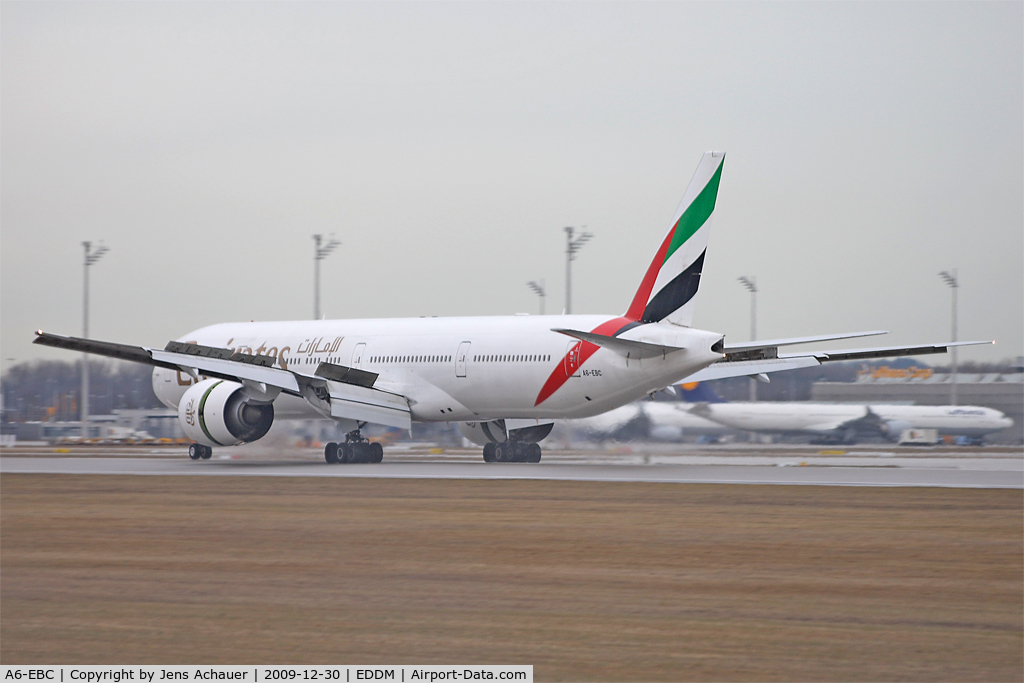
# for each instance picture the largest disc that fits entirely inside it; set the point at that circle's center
(355, 449)
(512, 451)
(198, 450)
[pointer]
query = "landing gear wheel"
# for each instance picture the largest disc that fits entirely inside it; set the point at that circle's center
(355, 452)
(489, 452)
(376, 452)
(533, 452)
(345, 453)
(331, 453)
(195, 451)
(207, 452)
(501, 452)
(363, 452)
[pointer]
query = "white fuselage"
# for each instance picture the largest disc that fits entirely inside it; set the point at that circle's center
(823, 417)
(462, 369)
(660, 414)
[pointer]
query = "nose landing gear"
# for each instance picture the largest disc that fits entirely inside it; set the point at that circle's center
(355, 449)
(198, 450)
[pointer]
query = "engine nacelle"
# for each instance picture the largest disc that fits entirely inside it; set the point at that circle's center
(217, 412)
(894, 428)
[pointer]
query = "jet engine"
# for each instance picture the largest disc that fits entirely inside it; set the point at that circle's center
(894, 428)
(217, 412)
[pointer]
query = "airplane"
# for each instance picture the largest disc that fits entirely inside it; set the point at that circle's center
(845, 423)
(654, 420)
(503, 379)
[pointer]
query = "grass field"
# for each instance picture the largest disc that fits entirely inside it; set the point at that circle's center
(586, 581)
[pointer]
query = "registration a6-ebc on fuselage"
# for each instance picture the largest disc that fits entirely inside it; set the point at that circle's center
(503, 379)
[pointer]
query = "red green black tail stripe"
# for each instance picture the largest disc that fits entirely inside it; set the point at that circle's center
(579, 354)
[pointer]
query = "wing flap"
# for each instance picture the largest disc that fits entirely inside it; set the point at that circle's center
(369, 405)
(346, 375)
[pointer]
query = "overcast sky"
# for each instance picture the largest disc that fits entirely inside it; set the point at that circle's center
(870, 146)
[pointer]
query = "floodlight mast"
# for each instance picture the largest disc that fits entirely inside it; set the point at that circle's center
(572, 246)
(750, 283)
(950, 278)
(319, 254)
(539, 291)
(91, 257)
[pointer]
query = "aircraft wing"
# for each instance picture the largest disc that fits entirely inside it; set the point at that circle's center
(886, 351)
(192, 359)
(334, 390)
(757, 362)
(724, 369)
(792, 341)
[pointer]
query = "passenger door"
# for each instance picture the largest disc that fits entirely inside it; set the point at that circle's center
(461, 358)
(357, 355)
(572, 359)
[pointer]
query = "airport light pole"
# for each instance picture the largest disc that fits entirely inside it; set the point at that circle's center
(91, 257)
(539, 291)
(572, 246)
(950, 278)
(321, 252)
(750, 283)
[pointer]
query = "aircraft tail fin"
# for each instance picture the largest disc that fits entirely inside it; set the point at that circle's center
(699, 392)
(669, 287)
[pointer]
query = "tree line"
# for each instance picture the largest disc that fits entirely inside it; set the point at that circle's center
(52, 389)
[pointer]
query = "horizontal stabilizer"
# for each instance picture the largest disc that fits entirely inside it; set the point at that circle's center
(624, 347)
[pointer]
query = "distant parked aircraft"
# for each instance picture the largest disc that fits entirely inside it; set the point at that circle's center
(848, 423)
(656, 420)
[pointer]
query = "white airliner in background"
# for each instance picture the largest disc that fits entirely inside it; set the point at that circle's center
(831, 422)
(503, 379)
(653, 420)
(847, 422)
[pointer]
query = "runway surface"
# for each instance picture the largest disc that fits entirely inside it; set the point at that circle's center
(864, 468)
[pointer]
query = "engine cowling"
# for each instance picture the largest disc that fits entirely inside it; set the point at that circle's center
(217, 412)
(894, 428)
